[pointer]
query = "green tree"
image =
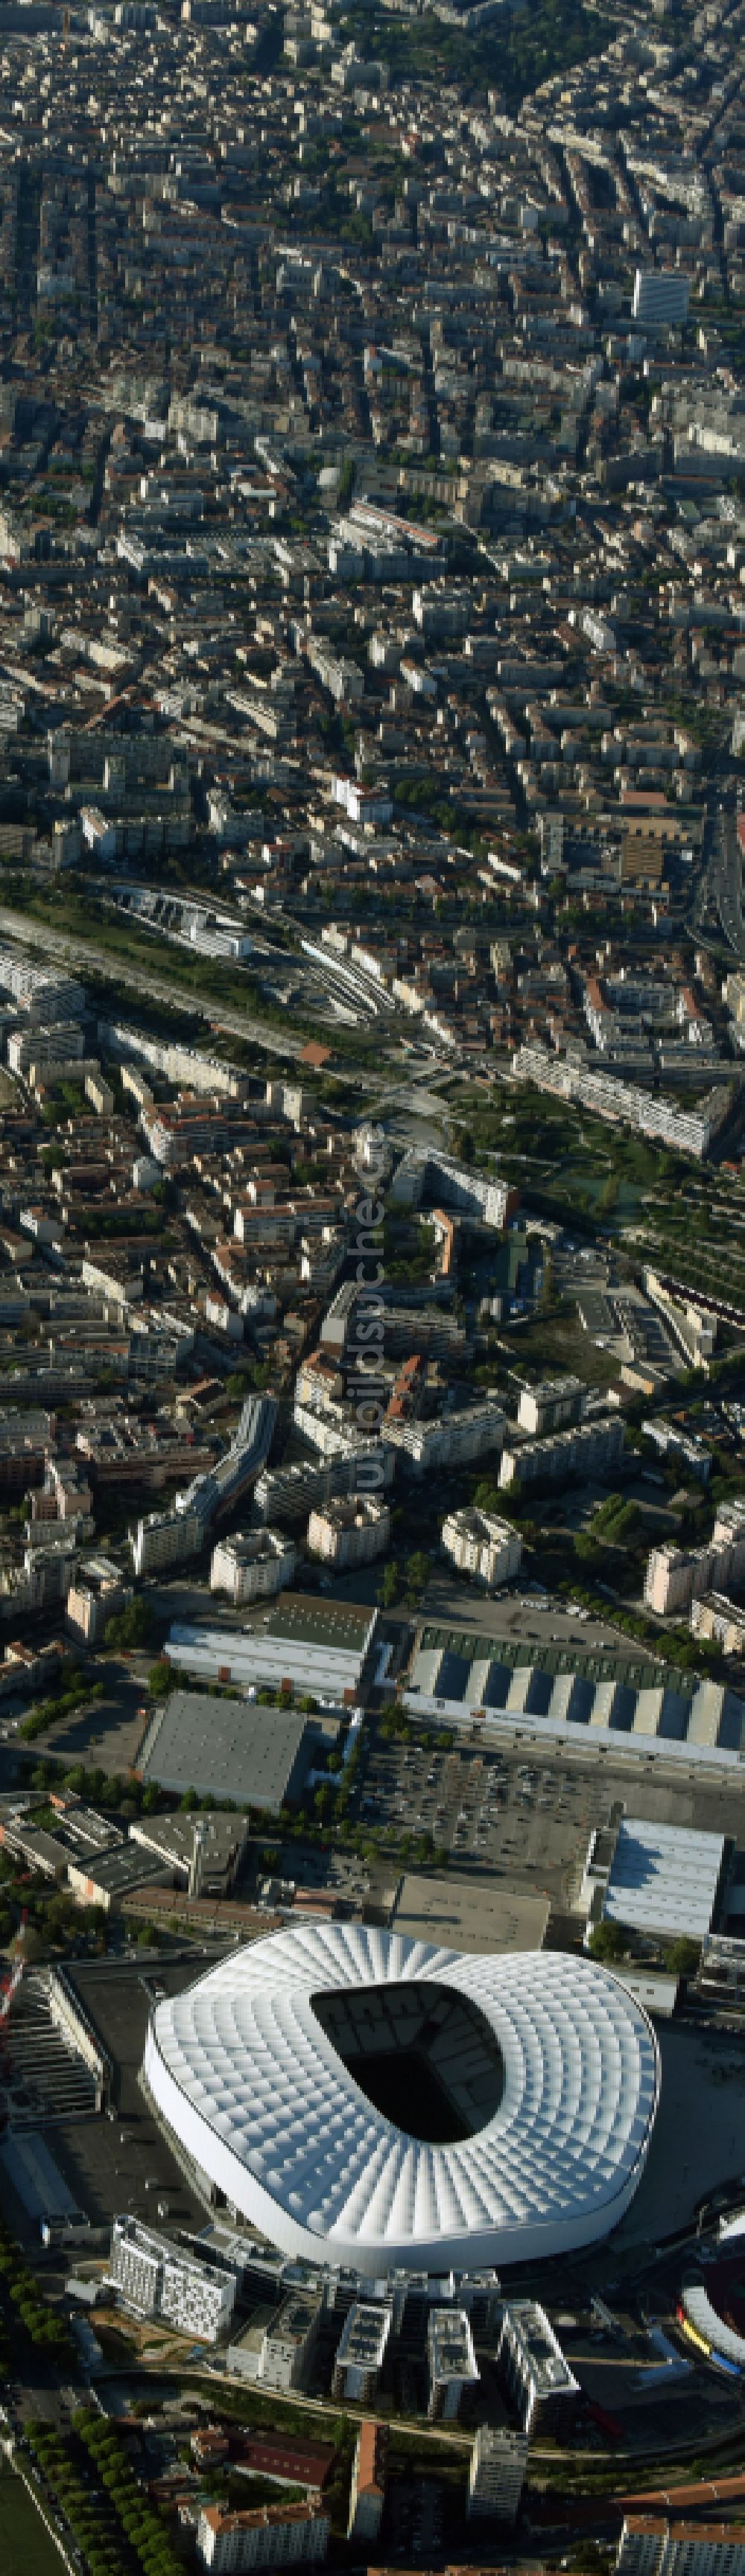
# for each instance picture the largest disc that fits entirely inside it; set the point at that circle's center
(608, 1944)
(683, 1956)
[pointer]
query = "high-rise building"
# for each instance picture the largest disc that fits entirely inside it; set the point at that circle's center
(452, 2362)
(661, 298)
(499, 2461)
(367, 2492)
(533, 2371)
(361, 2351)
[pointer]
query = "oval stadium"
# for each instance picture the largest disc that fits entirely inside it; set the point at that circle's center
(368, 2101)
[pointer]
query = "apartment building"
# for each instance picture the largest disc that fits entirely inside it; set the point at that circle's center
(482, 1545)
(451, 2362)
(533, 2372)
(155, 2278)
(274, 2535)
(424, 1173)
(590, 1449)
(288, 2341)
(361, 2352)
(451, 1439)
(367, 2491)
(677, 1577)
(251, 1564)
(660, 299)
(688, 1131)
(499, 2464)
(651, 2546)
(720, 1621)
(552, 1406)
(349, 1533)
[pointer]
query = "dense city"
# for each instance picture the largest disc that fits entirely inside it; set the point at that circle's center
(372, 1287)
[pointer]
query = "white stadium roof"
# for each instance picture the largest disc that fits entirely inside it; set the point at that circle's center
(295, 2073)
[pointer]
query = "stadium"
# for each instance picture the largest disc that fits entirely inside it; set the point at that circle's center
(368, 2101)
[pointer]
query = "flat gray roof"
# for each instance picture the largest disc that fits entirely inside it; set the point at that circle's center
(225, 1748)
(461, 1915)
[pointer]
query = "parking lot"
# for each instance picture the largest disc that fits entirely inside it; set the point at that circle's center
(507, 1816)
(524, 1815)
(123, 2162)
(532, 1616)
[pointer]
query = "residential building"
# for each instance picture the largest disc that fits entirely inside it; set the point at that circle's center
(591, 1449)
(650, 2545)
(660, 299)
(720, 1621)
(552, 1406)
(367, 2491)
(274, 2535)
(451, 2362)
(155, 2278)
(533, 2372)
(251, 1565)
(289, 2340)
(482, 1545)
(499, 2465)
(345, 1533)
(360, 2352)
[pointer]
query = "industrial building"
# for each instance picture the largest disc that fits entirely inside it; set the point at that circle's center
(658, 1880)
(226, 1748)
(204, 1852)
(312, 2074)
(533, 2372)
(301, 1642)
(468, 1914)
(617, 1700)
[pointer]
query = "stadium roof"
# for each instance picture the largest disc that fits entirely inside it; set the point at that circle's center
(375, 2102)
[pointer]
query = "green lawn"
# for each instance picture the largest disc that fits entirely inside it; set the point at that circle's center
(25, 2542)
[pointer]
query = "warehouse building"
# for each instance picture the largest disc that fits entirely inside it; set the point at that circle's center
(658, 1880)
(467, 1914)
(227, 1748)
(302, 1643)
(458, 1679)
